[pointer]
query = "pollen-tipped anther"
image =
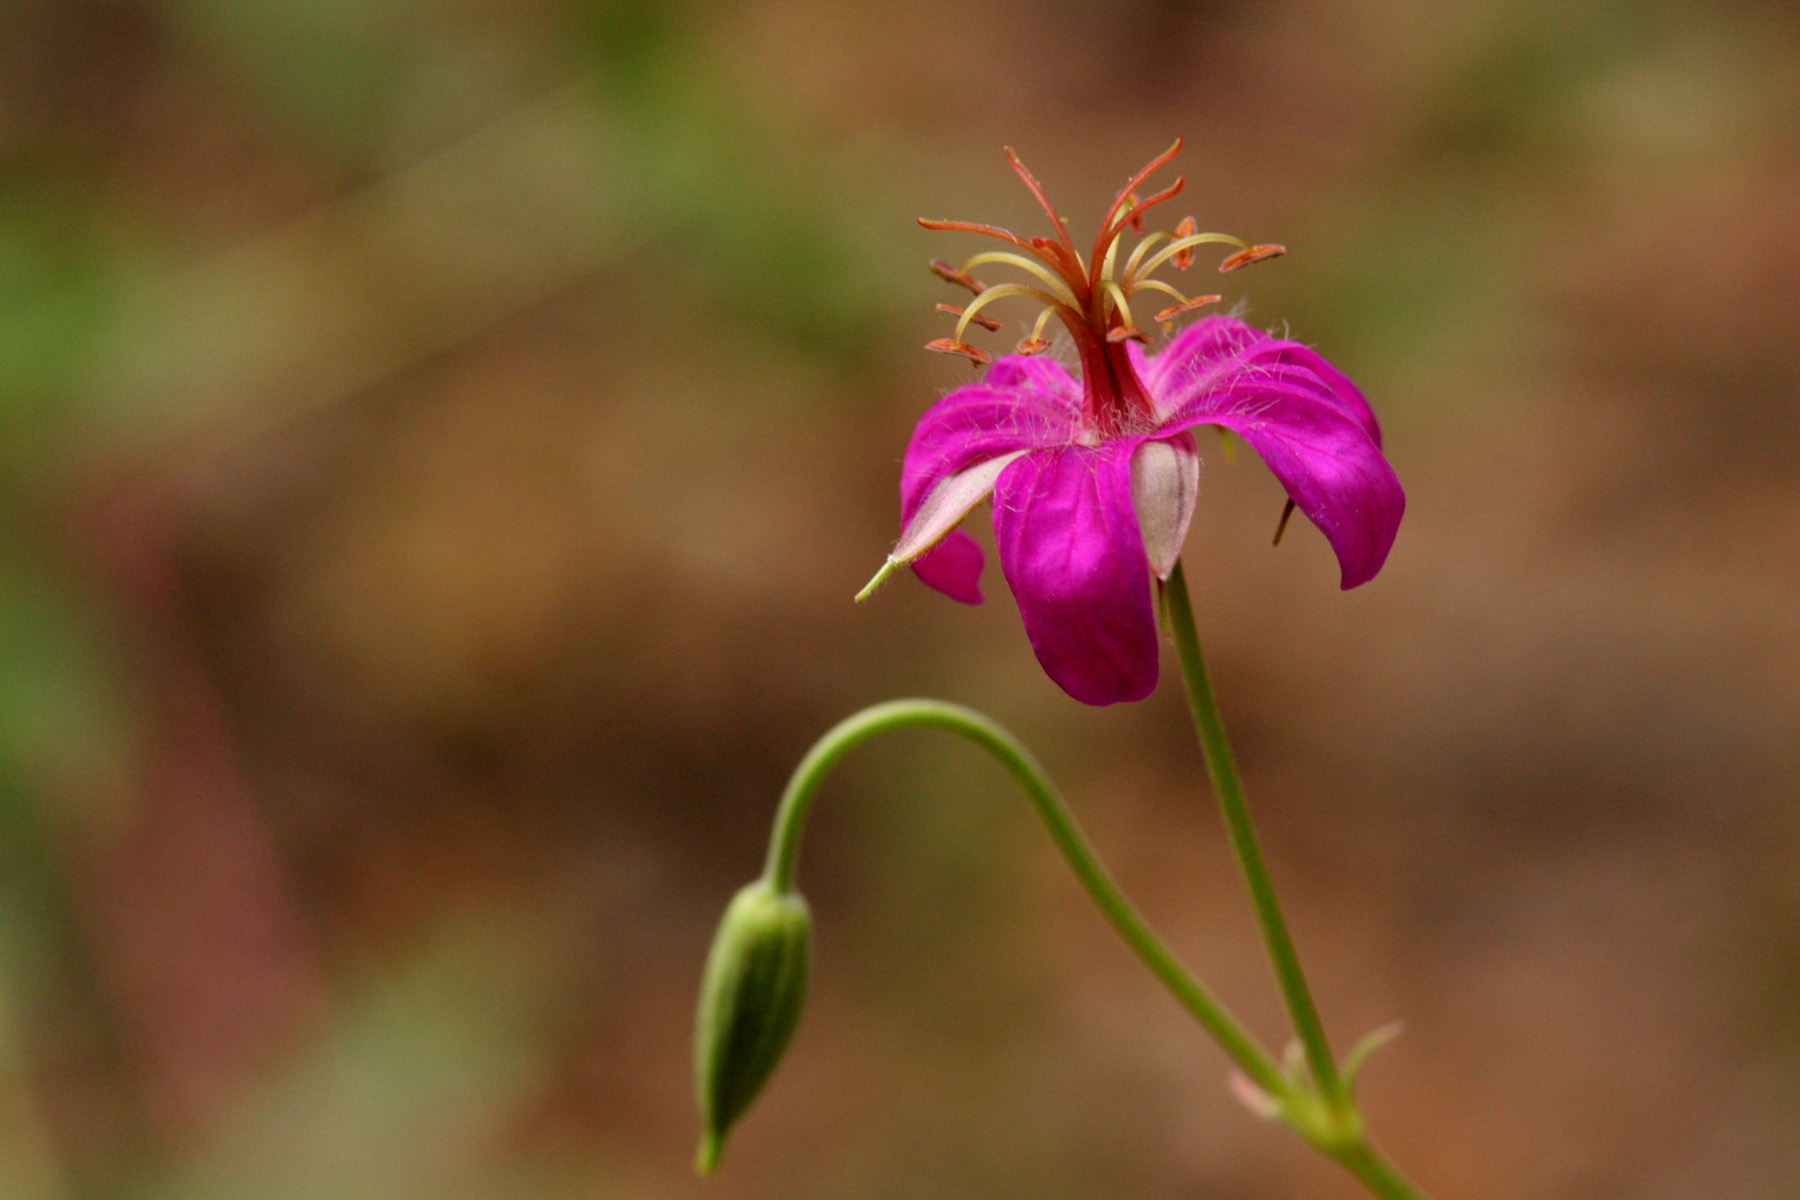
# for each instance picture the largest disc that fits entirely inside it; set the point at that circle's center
(950, 274)
(951, 346)
(987, 323)
(1033, 345)
(1185, 258)
(1127, 333)
(1254, 254)
(1181, 310)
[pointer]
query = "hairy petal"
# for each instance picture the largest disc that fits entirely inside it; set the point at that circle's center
(958, 449)
(1328, 460)
(1196, 350)
(1211, 352)
(1165, 483)
(1034, 373)
(1072, 551)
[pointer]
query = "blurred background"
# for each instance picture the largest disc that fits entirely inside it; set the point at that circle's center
(439, 440)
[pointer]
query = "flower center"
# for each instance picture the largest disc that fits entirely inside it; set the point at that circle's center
(1091, 296)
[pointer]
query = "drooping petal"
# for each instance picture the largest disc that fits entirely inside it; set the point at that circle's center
(953, 567)
(1165, 483)
(1328, 460)
(1072, 551)
(959, 448)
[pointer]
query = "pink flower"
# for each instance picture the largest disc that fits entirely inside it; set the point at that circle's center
(1094, 481)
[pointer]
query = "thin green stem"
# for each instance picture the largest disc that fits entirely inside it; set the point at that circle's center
(1376, 1173)
(1221, 765)
(847, 735)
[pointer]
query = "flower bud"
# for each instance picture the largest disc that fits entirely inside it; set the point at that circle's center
(750, 1002)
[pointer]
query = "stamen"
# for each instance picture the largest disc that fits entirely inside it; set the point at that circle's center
(1118, 298)
(1181, 310)
(1056, 282)
(1252, 254)
(1142, 248)
(1106, 264)
(1035, 344)
(1000, 293)
(1049, 251)
(987, 323)
(1128, 331)
(1185, 258)
(993, 231)
(1179, 244)
(1154, 285)
(950, 274)
(951, 346)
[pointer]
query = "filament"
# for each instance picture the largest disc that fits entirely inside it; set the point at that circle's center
(1179, 244)
(1057, 283)
(998, 293)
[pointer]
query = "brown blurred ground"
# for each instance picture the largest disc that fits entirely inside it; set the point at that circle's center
(439, 442)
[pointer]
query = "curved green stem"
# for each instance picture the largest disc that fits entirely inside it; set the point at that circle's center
(1221, 765)
(847, 735)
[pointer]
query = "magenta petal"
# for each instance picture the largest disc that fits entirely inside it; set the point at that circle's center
(1035, 373)
(1325, 457)
(1190, 355)
(953, 567)
(1024, 404)
(1073, 553)
(1219, 348)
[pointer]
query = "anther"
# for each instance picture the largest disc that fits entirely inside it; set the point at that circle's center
(1137, 217)
(1185, 258)
(1254, 254)
(949, 346)
(1033, 345)
(988, 323)
(950, 274)
(1127, 333)
(1178, 310)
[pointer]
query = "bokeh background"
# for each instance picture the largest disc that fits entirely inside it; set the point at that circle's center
(439, 440)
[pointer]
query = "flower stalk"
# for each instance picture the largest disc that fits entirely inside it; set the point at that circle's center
(1221, 765)
(1321, 1106)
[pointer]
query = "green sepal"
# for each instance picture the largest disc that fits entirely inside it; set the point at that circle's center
(750, 1003)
